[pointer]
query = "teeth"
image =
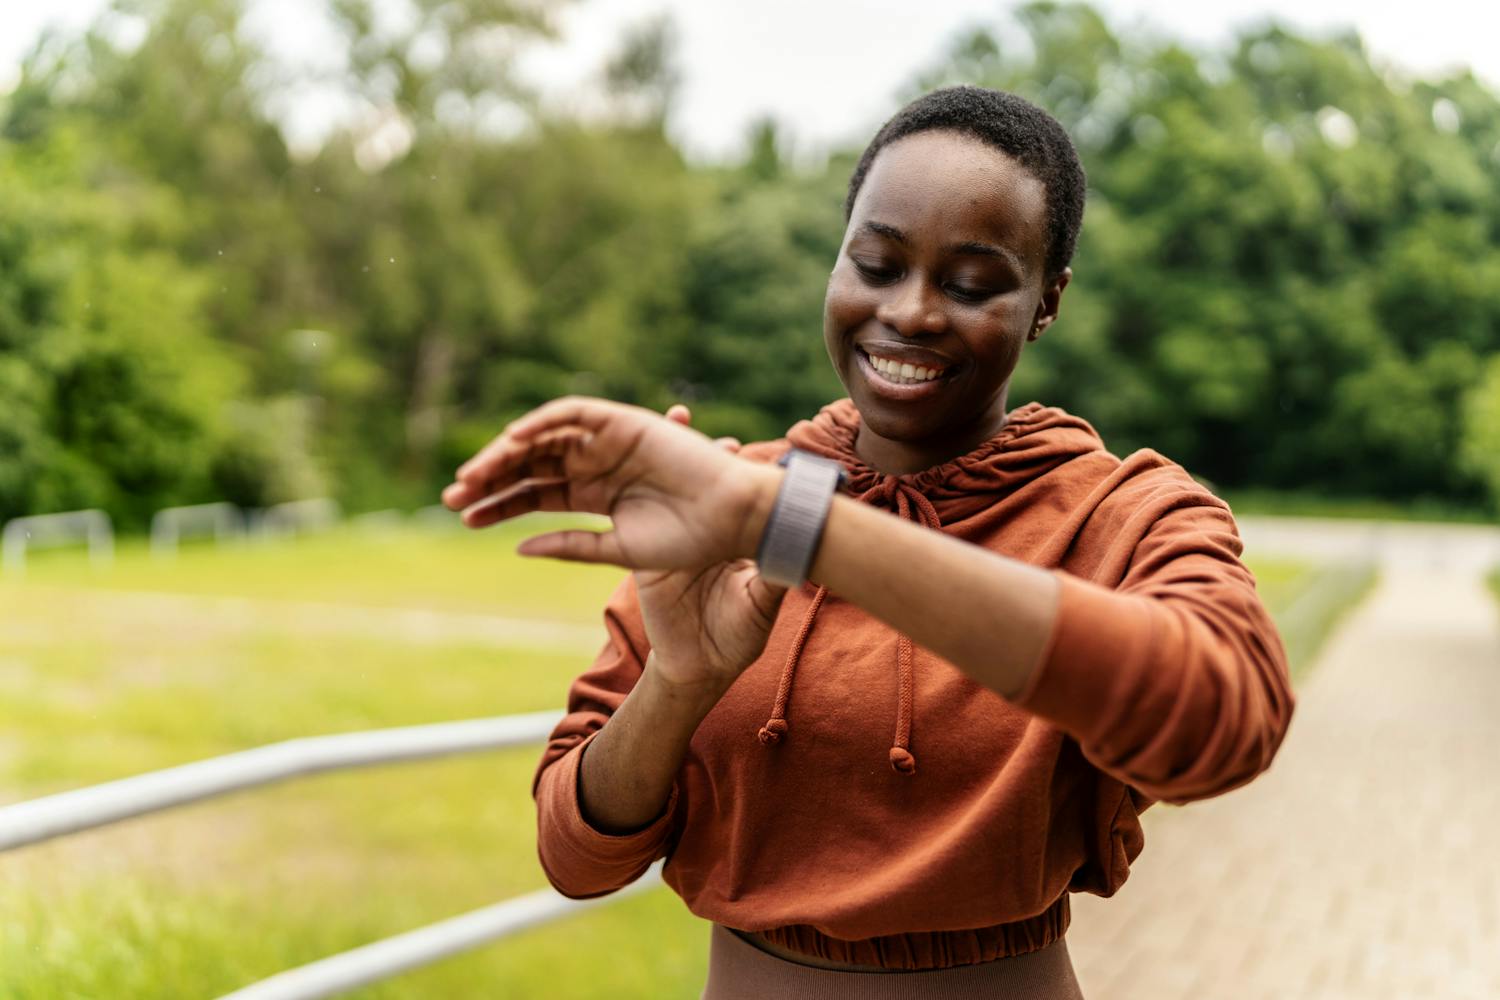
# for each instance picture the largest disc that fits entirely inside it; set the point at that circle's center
(902, 373)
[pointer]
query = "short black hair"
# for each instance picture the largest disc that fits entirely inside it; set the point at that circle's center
(1015, 127)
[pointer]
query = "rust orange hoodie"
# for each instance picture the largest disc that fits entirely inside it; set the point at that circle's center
(855, 797)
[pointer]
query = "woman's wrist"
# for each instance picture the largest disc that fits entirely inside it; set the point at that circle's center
(758, 496)
(626, 775)
(689, 699)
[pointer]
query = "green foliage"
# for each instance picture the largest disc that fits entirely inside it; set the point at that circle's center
(1287, 275)
(1288, 278)
(111, 389)
(750, 357)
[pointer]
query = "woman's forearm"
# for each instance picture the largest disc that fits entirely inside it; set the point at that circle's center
(988, 615)
(627, 771)
(1204, 674)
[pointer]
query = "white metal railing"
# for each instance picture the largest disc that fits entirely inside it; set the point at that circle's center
(82, 809)
(68, 527)
(395, 955)
(297, 517)
(85, 808)
(223, 521)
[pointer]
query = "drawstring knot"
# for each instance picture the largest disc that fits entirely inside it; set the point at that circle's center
(909, 504)
(772, 731)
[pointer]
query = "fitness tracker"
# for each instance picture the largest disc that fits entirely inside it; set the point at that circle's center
(795, 527)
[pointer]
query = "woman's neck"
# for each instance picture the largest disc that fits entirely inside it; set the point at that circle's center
(901, 458)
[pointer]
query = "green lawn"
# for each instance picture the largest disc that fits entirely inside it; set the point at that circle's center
(450, 570)
(1280, 503)
(202, 900)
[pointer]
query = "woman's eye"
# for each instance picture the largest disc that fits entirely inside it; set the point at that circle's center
(968, 293)
(874, 271)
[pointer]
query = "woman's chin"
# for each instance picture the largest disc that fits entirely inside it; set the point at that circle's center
(877, 417)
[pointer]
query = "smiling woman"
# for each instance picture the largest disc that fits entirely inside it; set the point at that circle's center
(1062, 637)
(952, 277)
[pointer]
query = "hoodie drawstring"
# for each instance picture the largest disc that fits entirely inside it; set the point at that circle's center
(908, 503)
(775, 728)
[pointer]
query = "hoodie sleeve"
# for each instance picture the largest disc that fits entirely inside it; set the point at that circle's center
(580, 860)
(1175, 681)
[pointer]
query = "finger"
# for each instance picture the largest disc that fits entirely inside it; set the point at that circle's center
(569, 411)
(457, 496)
(525, 497)
(504, 462)
(576, 546)
(460, 496)
(680, 413)
(580, 411)
(506, 452)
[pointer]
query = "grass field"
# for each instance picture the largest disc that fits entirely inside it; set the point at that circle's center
(1278, 503)
(150, 664)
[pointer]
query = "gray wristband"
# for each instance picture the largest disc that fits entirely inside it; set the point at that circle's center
(795, 527)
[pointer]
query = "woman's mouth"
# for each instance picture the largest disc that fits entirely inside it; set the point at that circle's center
(896, 380)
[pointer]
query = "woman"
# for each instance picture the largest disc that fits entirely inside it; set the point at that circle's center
(1014, 644)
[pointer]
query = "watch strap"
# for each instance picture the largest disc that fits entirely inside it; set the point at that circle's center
(795, 527)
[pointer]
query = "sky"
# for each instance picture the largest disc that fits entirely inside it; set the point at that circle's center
(828, 70)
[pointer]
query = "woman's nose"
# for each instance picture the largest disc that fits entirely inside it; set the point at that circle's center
(912, 310)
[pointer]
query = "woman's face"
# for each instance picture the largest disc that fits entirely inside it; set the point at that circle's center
(943, 268)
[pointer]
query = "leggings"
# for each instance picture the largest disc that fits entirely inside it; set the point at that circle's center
(737, 970)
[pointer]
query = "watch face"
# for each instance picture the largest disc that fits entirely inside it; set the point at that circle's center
(843, 480)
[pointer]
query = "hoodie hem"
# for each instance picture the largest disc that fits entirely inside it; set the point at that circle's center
(925, 950)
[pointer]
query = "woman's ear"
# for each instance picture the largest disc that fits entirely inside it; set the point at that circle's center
(1046, 310)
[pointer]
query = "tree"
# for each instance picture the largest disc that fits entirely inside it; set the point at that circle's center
(1287, 273)
(110, 393)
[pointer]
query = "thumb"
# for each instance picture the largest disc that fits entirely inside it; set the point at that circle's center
(765, 595)
(576, 546)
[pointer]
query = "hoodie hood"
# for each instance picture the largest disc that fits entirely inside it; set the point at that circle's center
(1034, 440)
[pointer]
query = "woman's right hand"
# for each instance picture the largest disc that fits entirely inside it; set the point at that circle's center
(706, 625)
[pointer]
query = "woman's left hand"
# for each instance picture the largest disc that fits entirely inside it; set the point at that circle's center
(676, 499)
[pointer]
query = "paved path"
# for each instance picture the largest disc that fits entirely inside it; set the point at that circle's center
(1365, 864)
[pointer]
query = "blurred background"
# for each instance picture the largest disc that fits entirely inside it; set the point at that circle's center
(303, 259)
